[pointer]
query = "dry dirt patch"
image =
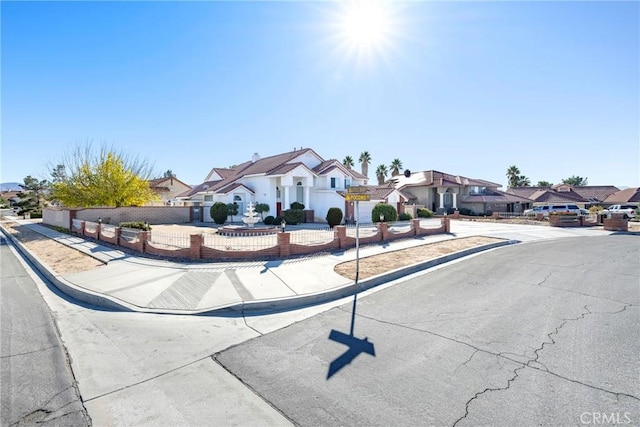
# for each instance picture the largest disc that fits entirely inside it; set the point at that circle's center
(60, 258)
(378, 264)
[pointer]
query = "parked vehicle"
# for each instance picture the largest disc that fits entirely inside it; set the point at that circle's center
(628, 211)
(545, 210)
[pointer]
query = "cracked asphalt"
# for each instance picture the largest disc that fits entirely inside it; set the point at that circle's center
(543, 333)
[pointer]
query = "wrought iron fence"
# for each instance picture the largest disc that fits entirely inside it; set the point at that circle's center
(108, 230)
(312, 237)
(240, 243)
(76, 224)
(364, 230)
(170, 240)
(91, 227)
(131, 235)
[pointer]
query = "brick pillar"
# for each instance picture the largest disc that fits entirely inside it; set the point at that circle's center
(415, 223)
(495, 215)
(539, 217)
(82, 226)
(616, 223)
(447, 224)
(118, 234)
(383, 228)
(98, 231)
(72, 216)
(197, 240)
(284, 240)
(143, 236)
(341, 232)
(456, 214)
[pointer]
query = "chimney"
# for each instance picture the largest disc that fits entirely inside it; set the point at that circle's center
(255, 157)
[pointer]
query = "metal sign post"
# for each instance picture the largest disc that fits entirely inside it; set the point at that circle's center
(357, 241)
(357, 194)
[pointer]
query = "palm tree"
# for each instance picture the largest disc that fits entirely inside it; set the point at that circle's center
(365, 159)
(523, 181)
(395, 166)
(381, 173)
(513, 173)
(348, 162)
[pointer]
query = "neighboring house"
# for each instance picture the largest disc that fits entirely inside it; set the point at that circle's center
(297, 176)
(584, 196)
(11, 196)
(167, 189)
(443, 192)
(628, 196)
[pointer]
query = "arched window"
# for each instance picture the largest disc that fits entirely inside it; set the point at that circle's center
(299, 193)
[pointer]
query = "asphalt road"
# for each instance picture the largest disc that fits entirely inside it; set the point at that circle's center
(543, 333)
(38, 386)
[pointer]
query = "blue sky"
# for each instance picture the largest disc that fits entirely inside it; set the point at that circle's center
(467, 88)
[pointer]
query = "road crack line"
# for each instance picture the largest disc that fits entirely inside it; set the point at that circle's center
(522, 365)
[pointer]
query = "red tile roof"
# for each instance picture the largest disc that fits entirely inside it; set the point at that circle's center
(269, 166)
(628, 195)
(559, 193)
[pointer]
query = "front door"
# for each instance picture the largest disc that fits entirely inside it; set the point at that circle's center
(278, 208)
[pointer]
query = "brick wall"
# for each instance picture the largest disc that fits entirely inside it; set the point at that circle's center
(283, 249)
(152, 214)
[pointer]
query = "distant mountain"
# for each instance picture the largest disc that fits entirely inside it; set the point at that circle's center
(10, 186)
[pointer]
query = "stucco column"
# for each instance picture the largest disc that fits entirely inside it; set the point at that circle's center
(285, 190)
(441, 200)
(455, 200)
(307, 200)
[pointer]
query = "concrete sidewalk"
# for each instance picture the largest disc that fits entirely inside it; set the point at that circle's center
(132, 283)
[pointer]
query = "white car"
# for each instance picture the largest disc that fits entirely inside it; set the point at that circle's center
(629, 211)
(546, 209)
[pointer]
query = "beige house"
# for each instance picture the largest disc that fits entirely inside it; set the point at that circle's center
(584, 196)
(167, 189)
(442, 192)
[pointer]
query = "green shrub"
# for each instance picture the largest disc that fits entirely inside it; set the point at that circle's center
(270, 220)
(334, 217)
(404, 217)
(294, 216)
(390, 213)
(297, 205)
(219, 212)
(261, 208)
(232, 209)
(424, 213)
(466, 211)
(141, 225)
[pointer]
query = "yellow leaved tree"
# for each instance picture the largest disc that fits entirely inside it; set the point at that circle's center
(104, 178)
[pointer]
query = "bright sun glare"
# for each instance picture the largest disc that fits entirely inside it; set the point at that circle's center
(365, 25)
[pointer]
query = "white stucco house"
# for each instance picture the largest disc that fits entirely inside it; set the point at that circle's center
(297, 176)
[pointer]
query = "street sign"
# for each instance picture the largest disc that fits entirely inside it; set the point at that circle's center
(357, 189)
(357, 197)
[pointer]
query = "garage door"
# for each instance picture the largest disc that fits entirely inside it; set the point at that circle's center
(364, 212)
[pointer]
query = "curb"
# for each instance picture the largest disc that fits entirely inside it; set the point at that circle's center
(73, 291)
(251, 308)
(293, 303)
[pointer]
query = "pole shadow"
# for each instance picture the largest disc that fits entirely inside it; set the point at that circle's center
(356, 346)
